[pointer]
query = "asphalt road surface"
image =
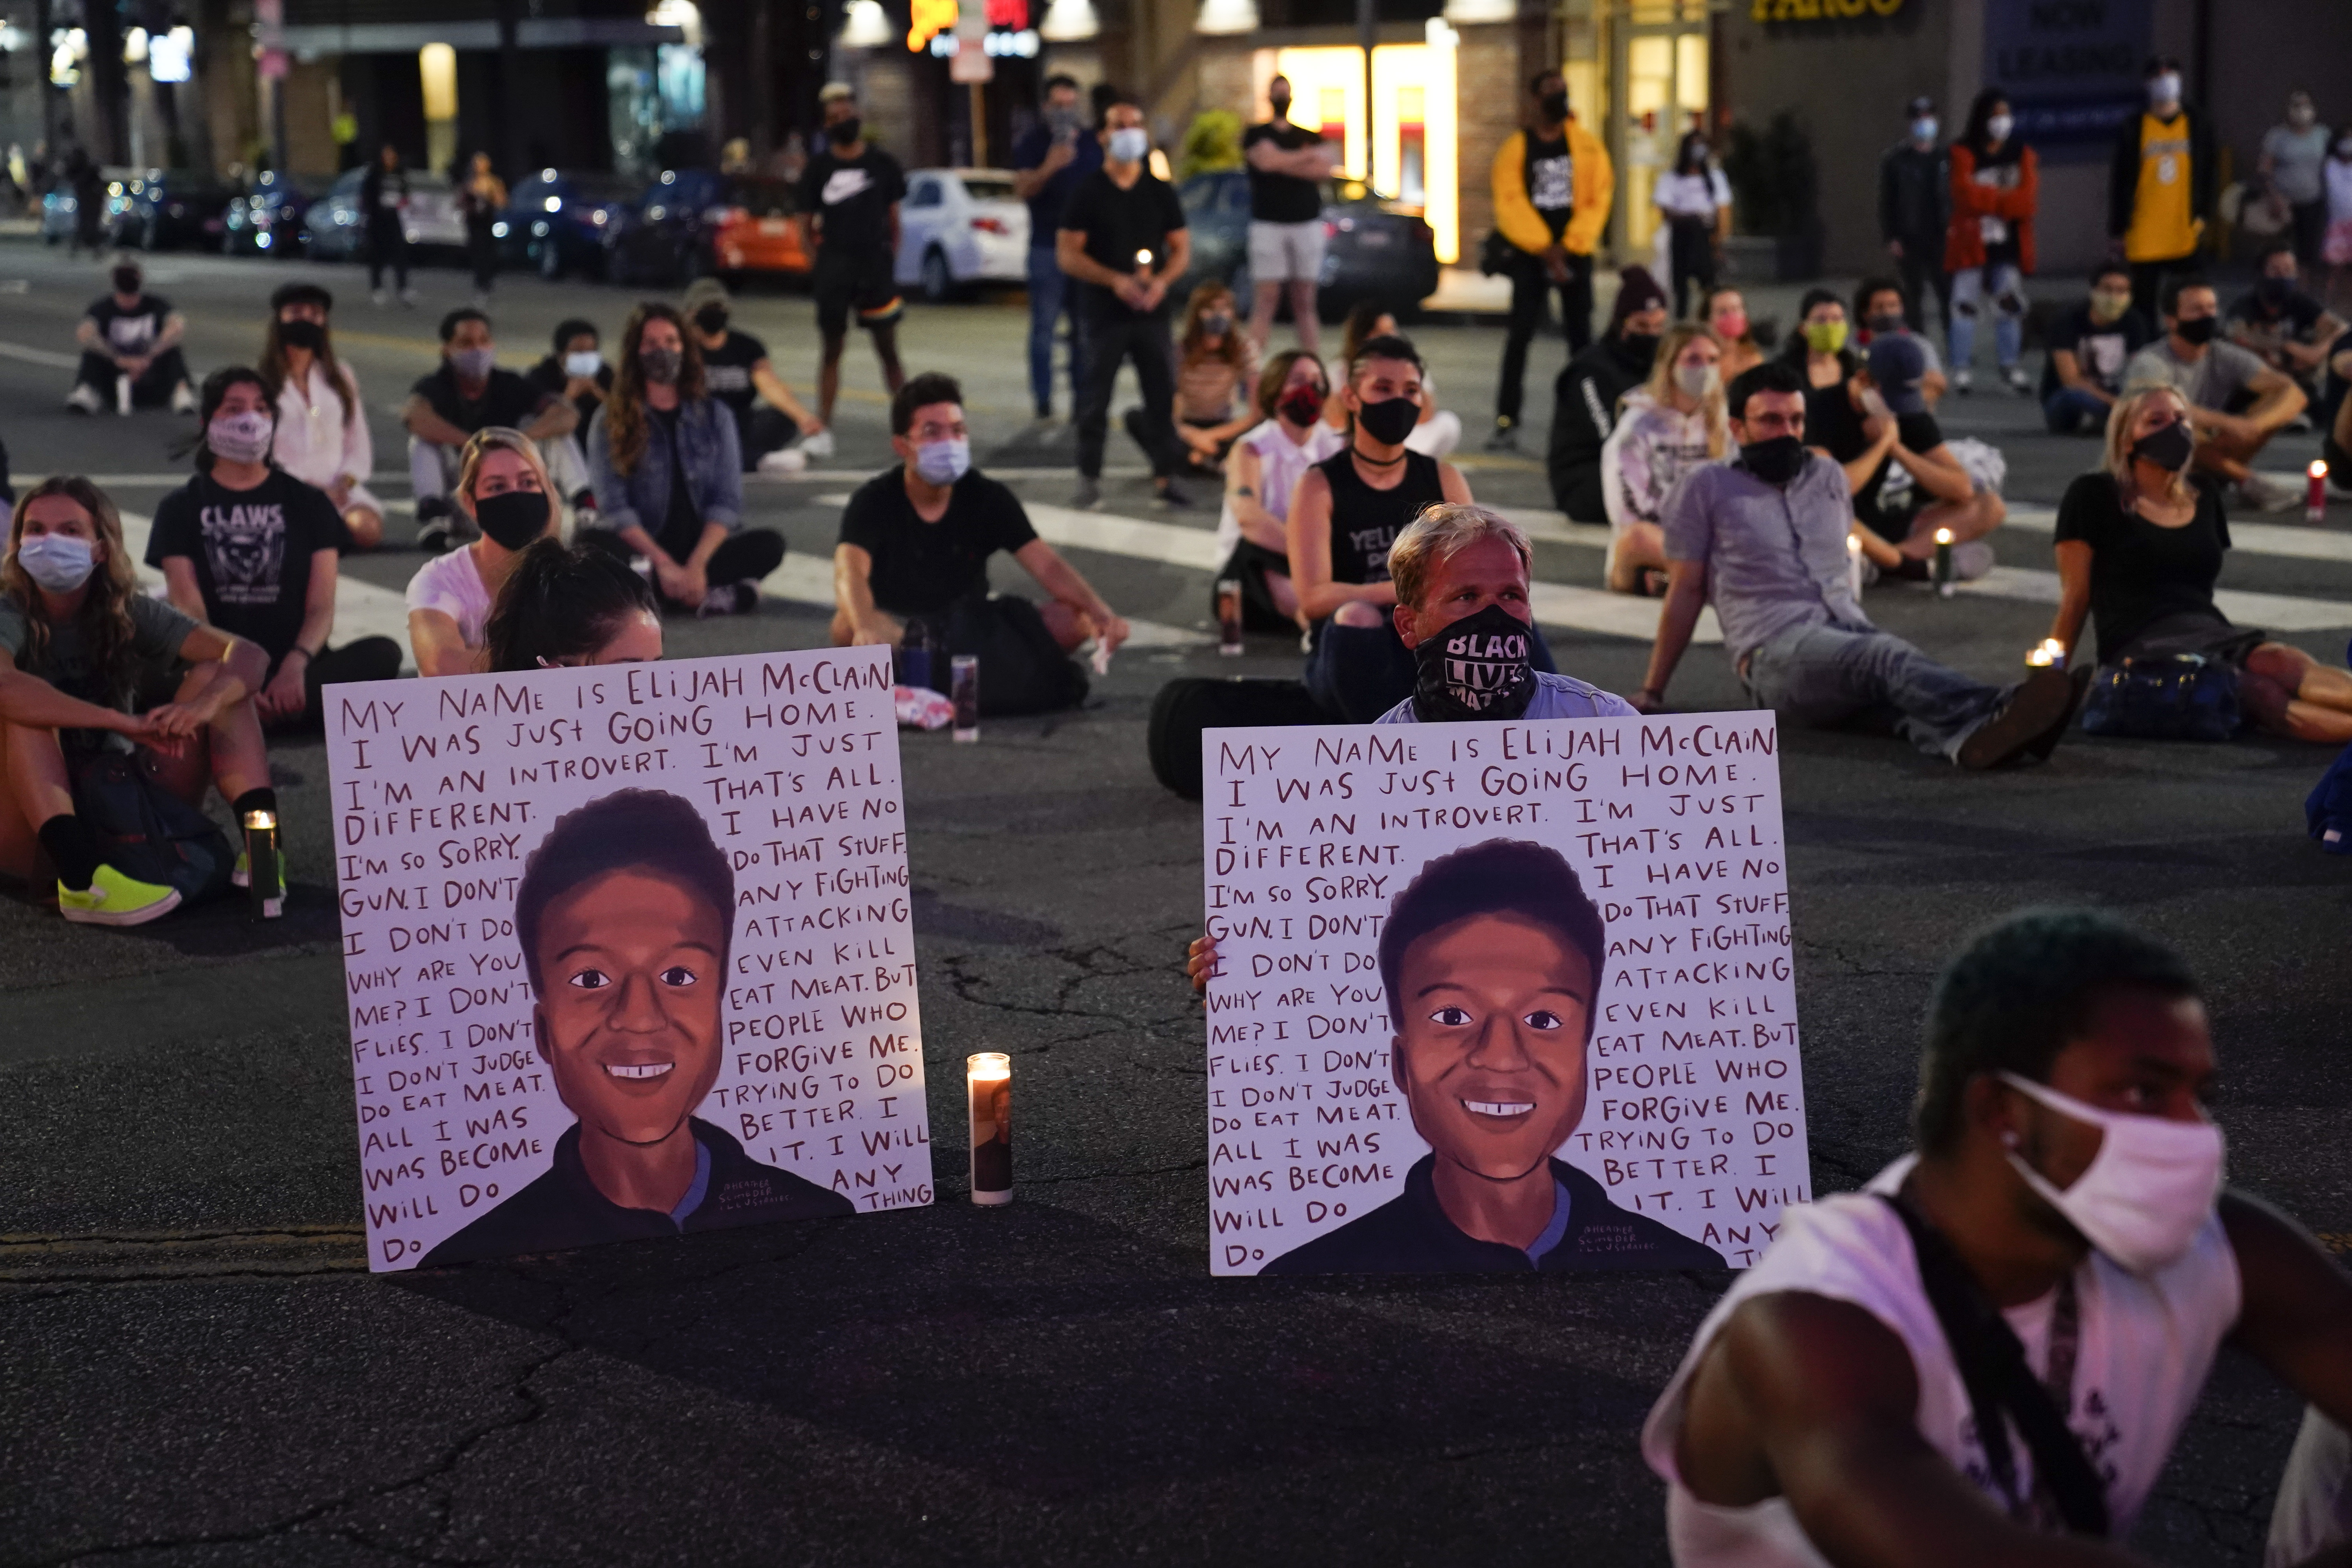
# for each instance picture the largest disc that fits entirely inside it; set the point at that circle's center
(196, 1367)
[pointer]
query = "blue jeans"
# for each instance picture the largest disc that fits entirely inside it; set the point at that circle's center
(1357, 673)
(1052, 295)
(1827, 676)
(2070, 410)
(2004, 286)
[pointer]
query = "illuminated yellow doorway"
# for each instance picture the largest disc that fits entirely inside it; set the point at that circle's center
(1411, 139)
(1660, 68)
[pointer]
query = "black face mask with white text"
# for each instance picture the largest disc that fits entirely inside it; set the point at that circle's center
(1475, 669)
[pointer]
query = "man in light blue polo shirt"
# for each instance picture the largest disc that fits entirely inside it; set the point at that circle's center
(1764, 538)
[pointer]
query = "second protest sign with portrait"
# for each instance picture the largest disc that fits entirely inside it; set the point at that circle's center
(628, 951)
(1499, 996)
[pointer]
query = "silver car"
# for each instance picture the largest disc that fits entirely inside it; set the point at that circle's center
(338, 227)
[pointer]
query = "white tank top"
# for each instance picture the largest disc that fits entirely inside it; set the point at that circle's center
(2145, 1346)
(1280, 464)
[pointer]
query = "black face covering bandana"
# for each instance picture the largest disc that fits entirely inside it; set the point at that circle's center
(1776, 462)
(1475, 669)
(2200, 330)
(2168, 447)
(299, 333)
(512, 518)
(1390, 420)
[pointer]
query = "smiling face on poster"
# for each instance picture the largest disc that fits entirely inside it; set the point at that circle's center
(628, 951)
(1499, 996)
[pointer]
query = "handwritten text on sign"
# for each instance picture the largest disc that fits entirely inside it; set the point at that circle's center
(1692, 1102)
(443, 790)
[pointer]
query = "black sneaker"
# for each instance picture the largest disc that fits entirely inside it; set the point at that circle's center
(1506, 437)
(1171, 495)
(2048, 741)
(2035, 713)
(435, 530)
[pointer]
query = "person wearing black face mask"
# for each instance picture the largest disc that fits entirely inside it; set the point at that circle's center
(1552, 186)
(1585, 398)
(131, 333)
(736, 370)
(850, 194)
(2219, 379)
(2139, 545)
(1765, 541)
(2286, 328)
(1345, 514)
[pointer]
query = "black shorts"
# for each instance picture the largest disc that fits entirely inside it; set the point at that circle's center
(859, 284)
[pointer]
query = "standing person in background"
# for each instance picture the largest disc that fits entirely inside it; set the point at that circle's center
(384, 197)
(481, 199)
(1287, 165)
(849, 199)
(1725, 312)
(322, 431)
(2161, 186)
(1670, 424)
(2089, 347)
(669, 479)
(1915, 210)
(131, 333)
(1123, 240)
(1553, 185)
(88, 182)
(1996, 187)
(1585, 398)
(248, 547)
(1049, 159)
(1217, 370)
(1695, 201)
(2291, 159)
(504, 491)
(736, 370)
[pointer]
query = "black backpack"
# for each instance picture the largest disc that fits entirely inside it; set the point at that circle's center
(1186, 707)
(149, 834)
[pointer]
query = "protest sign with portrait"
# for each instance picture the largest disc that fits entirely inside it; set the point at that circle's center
(1497, 996)
(628, 952)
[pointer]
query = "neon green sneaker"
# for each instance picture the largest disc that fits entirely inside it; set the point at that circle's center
(114, 900)
(242, 877)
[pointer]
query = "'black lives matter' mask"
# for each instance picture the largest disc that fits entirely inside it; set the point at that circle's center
(1475, 669)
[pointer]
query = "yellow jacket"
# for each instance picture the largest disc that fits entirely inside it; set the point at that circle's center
(1595, 187)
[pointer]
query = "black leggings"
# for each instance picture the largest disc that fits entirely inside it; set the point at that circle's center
(745, 556)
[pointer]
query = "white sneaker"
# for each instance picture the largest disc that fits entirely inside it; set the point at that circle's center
(1962, 382)
(85, 398)
(1971, 560)
(2018, 382)
(409, 298)
(379, 299)
(183, 399)
(2259, 493)
(783, 461)
(815, 449)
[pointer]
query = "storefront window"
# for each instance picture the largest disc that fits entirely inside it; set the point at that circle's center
(1407, 148)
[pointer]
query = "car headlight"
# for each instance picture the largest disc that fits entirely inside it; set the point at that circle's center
(498, 231)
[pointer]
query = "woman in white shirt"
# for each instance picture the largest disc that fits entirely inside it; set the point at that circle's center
(1252, 534)
(503, 487)
(322, 431)
(1694, 200)
(1668, 426)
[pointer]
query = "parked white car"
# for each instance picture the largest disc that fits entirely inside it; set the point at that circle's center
(961, 227)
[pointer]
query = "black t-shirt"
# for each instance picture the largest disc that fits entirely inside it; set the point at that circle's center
(1120, 223)
(1834, 424)
(681, 528)
(1550, 176)
(853, 197)
(1283, 198)
(922, 568)
(2100, 349)
(132, 332)
(2140, 573)
(727, 372)
(1029, 151)
(2293, 317)
(550, 377)
(507, 399)
(251, 550)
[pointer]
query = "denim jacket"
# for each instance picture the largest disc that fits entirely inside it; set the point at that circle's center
(713, 454)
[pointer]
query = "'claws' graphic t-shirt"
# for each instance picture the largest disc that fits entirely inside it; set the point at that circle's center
(253, 551)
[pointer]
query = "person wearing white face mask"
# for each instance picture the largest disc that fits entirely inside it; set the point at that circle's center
(1667, 427)
(1987, 1355)
(1995, 186)
(1914, 209)
(80, 645)
(2160, 185)
(915, 546)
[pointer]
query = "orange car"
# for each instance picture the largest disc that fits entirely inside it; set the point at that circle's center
(692, 222)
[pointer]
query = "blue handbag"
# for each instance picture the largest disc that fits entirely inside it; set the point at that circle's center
(2179, 697)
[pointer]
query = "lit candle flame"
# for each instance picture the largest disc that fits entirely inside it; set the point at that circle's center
(1853, 545)
(2318, 467)
(1943, 536)
(987, 1066)
(259, 821)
